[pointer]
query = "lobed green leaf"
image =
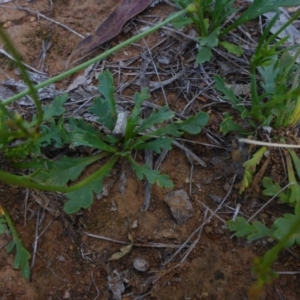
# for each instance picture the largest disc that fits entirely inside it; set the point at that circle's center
(63, 170)
(283, 226)
(158, 117)
(56, 108)
(105, 108)
(156, 145)
(194, 124)
(152, 176)
(204, 55)
(84, 197)
(241, 227)
(89, 137)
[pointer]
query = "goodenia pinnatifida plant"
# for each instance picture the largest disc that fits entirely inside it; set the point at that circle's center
(155, 133)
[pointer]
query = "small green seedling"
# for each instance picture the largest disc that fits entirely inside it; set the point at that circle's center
(210, 17)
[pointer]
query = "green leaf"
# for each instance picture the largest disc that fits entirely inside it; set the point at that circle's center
(250, 168)
(269, 74)
(228, 125)
(25, 270)
(160, 116)
(106, 88)
(204, 55)
(260, 231)
(56, 108)
(181, 22)
(253, 231)
(171, 130)
(54, 132)
(4, 129)
(255, 160)
(295, 194)
(211, 40)
(260, 7)
(228, 93)
(156, 145)
(194, 124)
(11, 246)
(89, 137)
(63, 170)
(221, 10)
(105, 108)
(295, 188)
(2, 227)
(231, 48)
(246, 181)
(272, 188)
(21, 259)
(241, 227)
(139, 98)
(283, 226)
(152, 176)
(84, 197)
(296, 162)
(135, 118)
(22, 256)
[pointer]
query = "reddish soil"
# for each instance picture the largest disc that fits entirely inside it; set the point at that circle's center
(69, 264)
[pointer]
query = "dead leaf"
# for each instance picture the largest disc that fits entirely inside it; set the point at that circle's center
(124, 250)
(111, 27)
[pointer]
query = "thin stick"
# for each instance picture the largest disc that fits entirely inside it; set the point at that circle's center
(188, 251)
(260, 143)
(25, 206)
(27, 66)
(98, 292)
(36, 239)
(148, 245)
(288, 272)
(194, 156)
(199, 143)
(269, 201)
(157, 74)
(3, 245)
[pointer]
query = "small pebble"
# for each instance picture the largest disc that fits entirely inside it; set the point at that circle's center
(61, 258)
(7, 24)
(140, 264)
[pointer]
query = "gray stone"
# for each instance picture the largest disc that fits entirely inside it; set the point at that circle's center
(180, 205)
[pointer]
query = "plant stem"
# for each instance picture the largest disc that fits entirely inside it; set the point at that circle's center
(97, 58)
(31, 88)
(10, 224)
